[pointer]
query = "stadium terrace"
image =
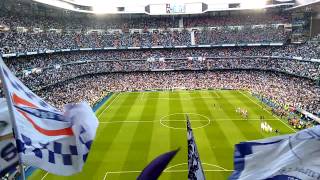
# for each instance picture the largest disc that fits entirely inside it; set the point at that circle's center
(237, 75)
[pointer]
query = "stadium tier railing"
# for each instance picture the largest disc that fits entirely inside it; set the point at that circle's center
(313, 76)
(50, 51)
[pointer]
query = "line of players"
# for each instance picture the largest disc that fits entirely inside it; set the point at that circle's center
(243, 113)
(263, 125)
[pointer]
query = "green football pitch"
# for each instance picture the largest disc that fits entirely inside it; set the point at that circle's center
(136, 127)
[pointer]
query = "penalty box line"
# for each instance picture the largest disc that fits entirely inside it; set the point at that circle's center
(168, 171)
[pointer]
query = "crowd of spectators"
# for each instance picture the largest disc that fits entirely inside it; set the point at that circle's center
(65, 33)
(146, 60)
(308, 50)
(239, 20)
(28, 62)
(297, 123)
(55, 75)
(121, 22)
(21, 42)
(11, 42)
(243, 35)
(283, 89)
(127, 70)
(87, 22)
(43, 33)
(60, 73)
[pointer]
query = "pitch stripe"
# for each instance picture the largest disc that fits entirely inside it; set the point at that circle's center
(141, 135)
(267, 111)
(159, 145)
(109, 105)
(112, 137)
(120, 146)
(176, 139)
(215, 130)
(253, 131)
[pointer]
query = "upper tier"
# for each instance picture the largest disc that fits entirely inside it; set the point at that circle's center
(21, 34)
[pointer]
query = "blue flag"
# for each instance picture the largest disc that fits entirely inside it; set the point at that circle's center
(155, 168)
(195, 170)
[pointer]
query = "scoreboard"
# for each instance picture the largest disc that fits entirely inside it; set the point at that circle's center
(175, 8)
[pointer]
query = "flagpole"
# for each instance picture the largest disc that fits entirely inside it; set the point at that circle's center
(12, 117)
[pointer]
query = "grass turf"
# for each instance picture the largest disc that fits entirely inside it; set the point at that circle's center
(135, 127)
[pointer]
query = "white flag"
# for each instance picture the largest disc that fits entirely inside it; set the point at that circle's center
(58, 142)
(295, 156)
(5, 125)
(8, 153)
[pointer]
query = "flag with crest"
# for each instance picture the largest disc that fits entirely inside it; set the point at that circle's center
(53, 140)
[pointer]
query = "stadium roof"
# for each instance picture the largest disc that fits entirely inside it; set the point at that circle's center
(162, 7)
(307, 5)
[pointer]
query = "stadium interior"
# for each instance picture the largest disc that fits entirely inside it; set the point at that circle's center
(143, 66)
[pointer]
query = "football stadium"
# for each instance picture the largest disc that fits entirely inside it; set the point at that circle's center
(182, 89)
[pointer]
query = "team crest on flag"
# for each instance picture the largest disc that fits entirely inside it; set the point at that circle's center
(58, 142)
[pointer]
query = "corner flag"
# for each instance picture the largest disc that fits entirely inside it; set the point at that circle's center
(58, 142)
(295, 156)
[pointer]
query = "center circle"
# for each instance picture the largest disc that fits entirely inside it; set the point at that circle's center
(179, 121)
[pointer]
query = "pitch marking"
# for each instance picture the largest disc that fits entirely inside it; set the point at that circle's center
(44, 176)
(218, 95)
(109, 105)
(161, 121)
(208, 164)
(113, 122)
(142, 96)
(167, 170)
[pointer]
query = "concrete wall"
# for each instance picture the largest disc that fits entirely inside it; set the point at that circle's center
(315, 24)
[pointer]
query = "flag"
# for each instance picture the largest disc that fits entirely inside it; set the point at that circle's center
(58, 142)
(5, 125)
(8, 153)
(155, 168)
(295, 156)
(195, 170)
